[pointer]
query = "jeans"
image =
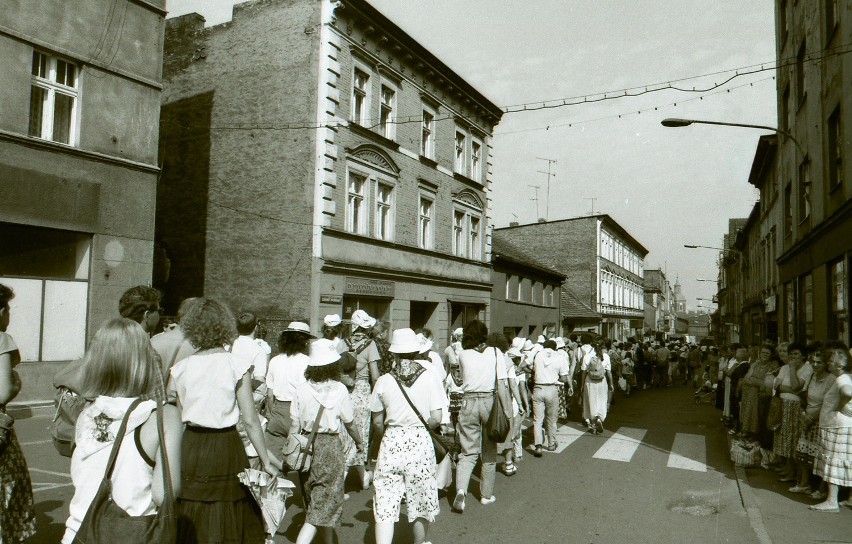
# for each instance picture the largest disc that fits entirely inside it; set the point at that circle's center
(474, 442)
(545, 411)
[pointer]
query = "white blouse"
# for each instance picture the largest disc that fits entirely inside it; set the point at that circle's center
(206, 388)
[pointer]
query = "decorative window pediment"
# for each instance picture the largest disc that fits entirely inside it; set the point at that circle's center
(469, 198)
(374, 157)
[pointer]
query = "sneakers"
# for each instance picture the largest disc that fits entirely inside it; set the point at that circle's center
(819, 495)
(553, 445)
(458, 503)
(368, 478)
(537, 451)
(488, 500)
(800, 489)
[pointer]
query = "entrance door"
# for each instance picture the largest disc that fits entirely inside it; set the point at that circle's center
(421, 314)
(378, 308)
(461, 314)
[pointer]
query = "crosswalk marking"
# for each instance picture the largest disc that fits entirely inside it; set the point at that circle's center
(621, 445)
(688, 452)
(566, 436)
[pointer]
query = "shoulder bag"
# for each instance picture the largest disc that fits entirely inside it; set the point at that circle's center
(105, 522)
(299, 450)
(440, 450)
(773, 418)
(497, 427)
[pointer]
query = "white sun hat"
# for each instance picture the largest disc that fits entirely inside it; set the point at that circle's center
(298, 326)
(404, 341)
(332, 320)
(323, 352)
(362, 319)
(425, 343)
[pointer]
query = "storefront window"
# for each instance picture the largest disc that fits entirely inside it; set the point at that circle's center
(789, 312)
(839, 293)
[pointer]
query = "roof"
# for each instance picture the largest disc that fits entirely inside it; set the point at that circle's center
(605, 218)
(502, 248)
(574, 308)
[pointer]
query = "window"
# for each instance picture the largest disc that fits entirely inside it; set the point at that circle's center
(804, 200)
(360, 97)
(458, 233)
(425, 232)
(53, 99)
(476, 160)
(788, 210)
(838, 317)
(460, 164)
(384, 212)
(355, 220)
(800, 74)
(806, 296)
(508, 287)
(386, 119)
(427, 134)
(835, 150)
(474, 249)
(790, 311)
(785, 109)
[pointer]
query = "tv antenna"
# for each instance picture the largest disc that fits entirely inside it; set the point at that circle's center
(593, 204)
(550, 162)
(536, 187)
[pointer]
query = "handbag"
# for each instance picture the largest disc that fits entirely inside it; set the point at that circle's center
(498, 426)
(444, 472)
(106, 522)
(69, 405)
(745, 454)
(773, 418)
(440, 450)
(6, 423)
(299, 450)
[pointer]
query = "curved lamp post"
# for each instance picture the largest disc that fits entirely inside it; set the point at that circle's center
(672, 122)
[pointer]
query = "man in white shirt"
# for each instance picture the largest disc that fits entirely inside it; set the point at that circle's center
(550, 369)
(246, 346)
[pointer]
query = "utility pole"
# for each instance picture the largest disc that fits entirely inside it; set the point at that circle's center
(550, 162)
(593, 204)
(536, 187)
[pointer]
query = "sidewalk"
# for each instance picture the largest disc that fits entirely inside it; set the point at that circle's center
(780, 517)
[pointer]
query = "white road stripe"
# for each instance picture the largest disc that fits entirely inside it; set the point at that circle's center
(48, 487)
(35, 443)
(689, 452)
(52, 473)
(566, 436)
(621, 445)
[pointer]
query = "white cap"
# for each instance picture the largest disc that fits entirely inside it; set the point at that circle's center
(517, 346)
(541, 339)
(425, 343)
(298, 326)
(332, 320)
(362, 319)
(404, 341)
(458, 332)
(323, 353)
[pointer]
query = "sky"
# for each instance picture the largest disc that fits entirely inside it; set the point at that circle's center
(666, 186)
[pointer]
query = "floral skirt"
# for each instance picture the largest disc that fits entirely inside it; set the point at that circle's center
(360, 397)
(406, 467)
(324, 487)
(17, 513)
(749, 410)
(807, 446)
(833, 463)
(784, 443)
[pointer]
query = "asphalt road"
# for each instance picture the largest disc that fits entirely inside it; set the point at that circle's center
(659, 474)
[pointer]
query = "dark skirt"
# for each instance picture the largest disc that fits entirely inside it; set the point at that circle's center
(213, 506)
(279, 425)
(325, 482)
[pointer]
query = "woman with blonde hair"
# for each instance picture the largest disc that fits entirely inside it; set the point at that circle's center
(213, 389)
(120, 368)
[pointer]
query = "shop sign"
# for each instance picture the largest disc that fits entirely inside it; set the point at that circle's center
(770, 303)
(331, 299)
(370, 288)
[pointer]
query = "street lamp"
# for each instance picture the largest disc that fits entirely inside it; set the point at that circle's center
(731, 250)
(673, 122)
(699, 279)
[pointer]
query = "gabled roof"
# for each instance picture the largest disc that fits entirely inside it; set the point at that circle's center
(502, 248)
(574, 308)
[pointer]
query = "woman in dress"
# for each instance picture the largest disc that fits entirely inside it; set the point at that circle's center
(213, 389)
(807, 445)
(596, 392)
(752, 425)
(361, 343)
(834, 460)
(406, 463)
(791, 379)
(481, 368)
(286, 372)
(324, 486)
(119, 368)
(17, 514)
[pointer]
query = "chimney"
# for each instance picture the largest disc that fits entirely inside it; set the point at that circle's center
(542, 220)
(514, 224)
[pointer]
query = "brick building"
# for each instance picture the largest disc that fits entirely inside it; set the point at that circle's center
(602, 262)
(659, 303)
(79, 119)
(526, 300)
(319, 160)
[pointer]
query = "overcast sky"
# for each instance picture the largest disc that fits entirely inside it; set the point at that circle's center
(666, 186)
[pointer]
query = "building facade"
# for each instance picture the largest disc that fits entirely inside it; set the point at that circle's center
(526, 299)
(602, 262)
(659, 304)
(353, 172)
(78, 168)
(814, 174)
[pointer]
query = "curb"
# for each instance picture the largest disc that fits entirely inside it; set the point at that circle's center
(29, 404)
(750, 503)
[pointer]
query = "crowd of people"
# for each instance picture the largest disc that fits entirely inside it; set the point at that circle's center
(793, 402)
(207, 399)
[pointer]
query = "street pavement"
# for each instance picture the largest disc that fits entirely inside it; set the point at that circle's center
(660, 473)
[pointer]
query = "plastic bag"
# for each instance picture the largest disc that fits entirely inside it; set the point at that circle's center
(270, 493)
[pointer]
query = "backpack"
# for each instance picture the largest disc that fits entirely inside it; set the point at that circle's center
(69, 405)
(595, 369)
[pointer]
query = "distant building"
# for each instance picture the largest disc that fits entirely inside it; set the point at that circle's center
(318, 160)
(79, 118)
(603, 263)
(526, 300)
(659, 303)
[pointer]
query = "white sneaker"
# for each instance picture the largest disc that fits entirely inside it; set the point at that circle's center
(488, 500)
(458, 503)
